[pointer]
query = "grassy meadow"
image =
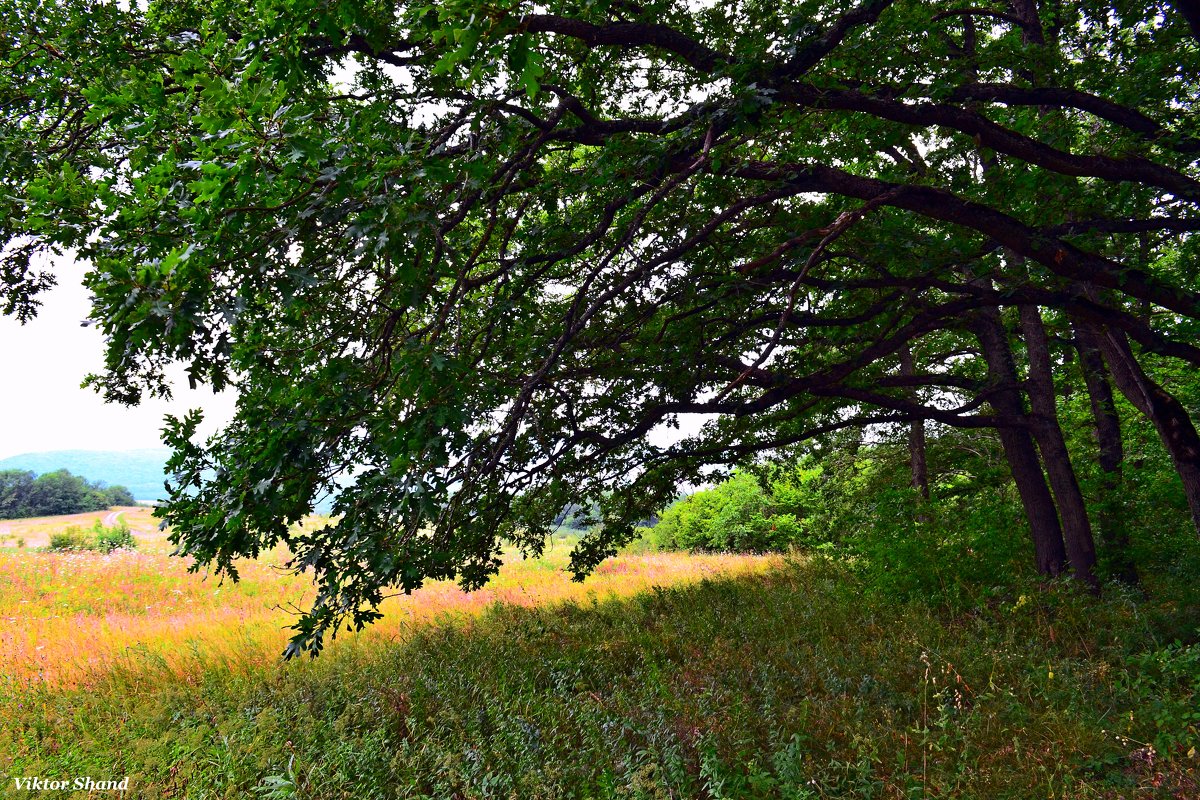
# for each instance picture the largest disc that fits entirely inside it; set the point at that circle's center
(35, 532)
(661, 676)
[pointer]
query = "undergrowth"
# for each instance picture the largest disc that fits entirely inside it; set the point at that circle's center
(794, 683)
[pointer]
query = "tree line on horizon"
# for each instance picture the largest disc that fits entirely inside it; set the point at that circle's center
(24, 494)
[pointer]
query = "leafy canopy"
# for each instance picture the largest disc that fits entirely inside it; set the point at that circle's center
(464, 261)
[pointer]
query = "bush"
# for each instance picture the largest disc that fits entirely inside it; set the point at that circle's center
(70, 538)
(98, 538)
(117, 537)
(1165, 684)
(855, 500)
(741, 515)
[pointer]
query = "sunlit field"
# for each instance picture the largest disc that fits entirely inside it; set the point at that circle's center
(660, 676)
(34, 533)
(67, 615)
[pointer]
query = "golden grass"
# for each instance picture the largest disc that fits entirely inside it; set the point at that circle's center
(35, 532)
(66, 616)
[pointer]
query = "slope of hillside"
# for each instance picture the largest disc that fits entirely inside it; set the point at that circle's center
(783, 681)
(140, 470)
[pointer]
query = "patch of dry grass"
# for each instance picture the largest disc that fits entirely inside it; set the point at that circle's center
(66, 615)
(35, 532)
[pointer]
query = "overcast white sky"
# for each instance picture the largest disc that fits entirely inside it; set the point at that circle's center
(42, 364)
(42, 406)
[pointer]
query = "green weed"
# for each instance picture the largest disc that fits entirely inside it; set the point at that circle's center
(789, 684)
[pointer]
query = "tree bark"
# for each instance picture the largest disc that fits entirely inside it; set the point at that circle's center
(1170, 418)
(1019, 450)
(918, 464)
(1114, 535)
(1076, 528)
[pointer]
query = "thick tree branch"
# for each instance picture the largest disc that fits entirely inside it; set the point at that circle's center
(1060, 257)
(997, 137)
(699, 56)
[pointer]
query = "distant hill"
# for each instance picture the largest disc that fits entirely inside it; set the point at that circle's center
(140, 470)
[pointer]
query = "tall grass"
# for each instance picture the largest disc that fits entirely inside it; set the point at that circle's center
(68, 616)
(784, 680)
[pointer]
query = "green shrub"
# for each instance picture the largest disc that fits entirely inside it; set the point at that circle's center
(1164, 684)
(69, 538)
(117, 537)
(856, 500)
(770, 509)
(734, 515)
(98, 538)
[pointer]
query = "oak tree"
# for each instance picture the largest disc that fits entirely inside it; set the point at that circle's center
(464, 262)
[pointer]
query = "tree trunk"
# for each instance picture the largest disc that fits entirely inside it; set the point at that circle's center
(1019, 450)
(1076, 528)
(1170, 418)
(918, 465)
(1114, 535)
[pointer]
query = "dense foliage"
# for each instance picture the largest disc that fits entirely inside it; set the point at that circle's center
(740, 514)
(468, 263)
(855, 500)
(22, 494)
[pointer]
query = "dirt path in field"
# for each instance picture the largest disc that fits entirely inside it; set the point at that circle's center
(36, 531)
